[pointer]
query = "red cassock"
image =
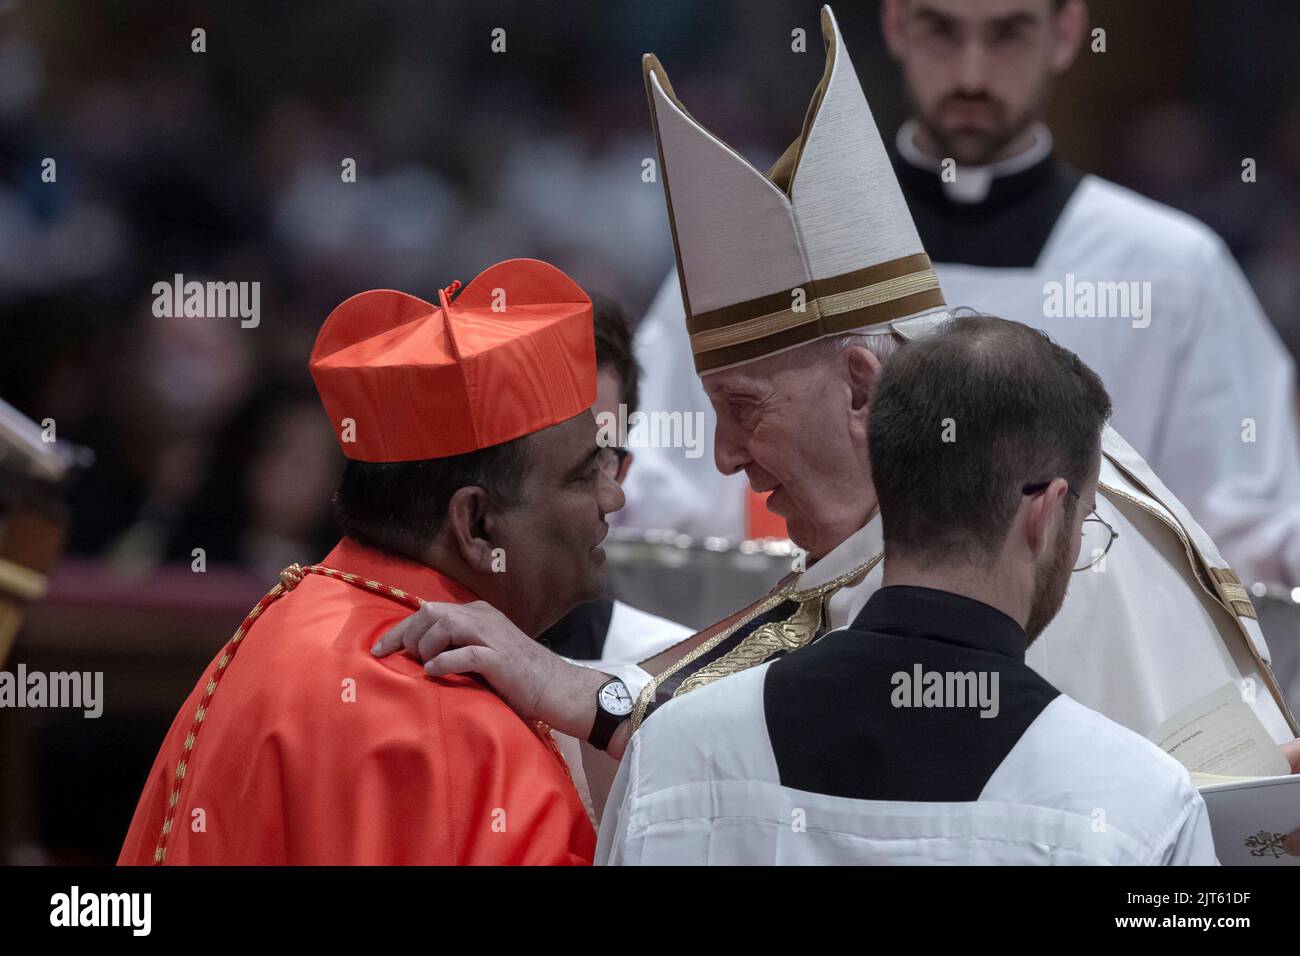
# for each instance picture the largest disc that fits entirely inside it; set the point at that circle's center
(311, 751)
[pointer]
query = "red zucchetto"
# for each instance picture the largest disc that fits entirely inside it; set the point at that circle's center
(403, 379)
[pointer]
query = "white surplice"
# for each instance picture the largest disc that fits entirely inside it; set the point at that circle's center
(700, 785)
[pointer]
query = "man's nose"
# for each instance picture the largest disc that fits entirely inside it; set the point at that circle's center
(728, 452)
(609, 495)
(972, 66)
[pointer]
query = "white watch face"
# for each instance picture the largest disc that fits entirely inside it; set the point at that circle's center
(615, 698)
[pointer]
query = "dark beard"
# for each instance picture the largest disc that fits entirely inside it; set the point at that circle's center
(991, 143)
(1050, 588)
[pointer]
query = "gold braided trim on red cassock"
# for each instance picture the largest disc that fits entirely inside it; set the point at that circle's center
(290, 578)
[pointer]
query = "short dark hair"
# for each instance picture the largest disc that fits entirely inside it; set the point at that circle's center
(962, 419)
(400, 506)
(614, 348)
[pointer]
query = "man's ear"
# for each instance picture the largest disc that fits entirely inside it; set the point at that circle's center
(469, 525)
(1069, 26)
(864, 366)
(1046, 511)
(891, 25)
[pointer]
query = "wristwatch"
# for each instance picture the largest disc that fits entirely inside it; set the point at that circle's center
(613, 705)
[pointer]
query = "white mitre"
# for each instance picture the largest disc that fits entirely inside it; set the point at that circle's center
(821, 245)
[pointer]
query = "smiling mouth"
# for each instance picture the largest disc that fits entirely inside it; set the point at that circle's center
(768, 504)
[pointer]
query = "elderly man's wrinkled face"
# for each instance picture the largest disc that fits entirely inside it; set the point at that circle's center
(796, 425)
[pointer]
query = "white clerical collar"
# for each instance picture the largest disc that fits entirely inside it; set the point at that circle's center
(972, 183)
(862, 545)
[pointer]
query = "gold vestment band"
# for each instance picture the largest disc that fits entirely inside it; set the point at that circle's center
(781, 320)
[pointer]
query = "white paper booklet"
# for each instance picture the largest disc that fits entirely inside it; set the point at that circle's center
(1249, 790)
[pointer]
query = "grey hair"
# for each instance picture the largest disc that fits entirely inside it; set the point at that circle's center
(881, 344)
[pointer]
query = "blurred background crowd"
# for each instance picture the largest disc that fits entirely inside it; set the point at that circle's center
(226, 165)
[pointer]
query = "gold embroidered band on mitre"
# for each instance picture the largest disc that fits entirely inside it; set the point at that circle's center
(782, 320)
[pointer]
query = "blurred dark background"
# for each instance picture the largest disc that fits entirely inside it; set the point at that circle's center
(226, 165)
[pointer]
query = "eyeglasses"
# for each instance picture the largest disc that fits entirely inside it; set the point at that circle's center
(612, 461)
(1096, 533)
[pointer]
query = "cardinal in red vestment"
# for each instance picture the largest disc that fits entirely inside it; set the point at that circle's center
(472, 474)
